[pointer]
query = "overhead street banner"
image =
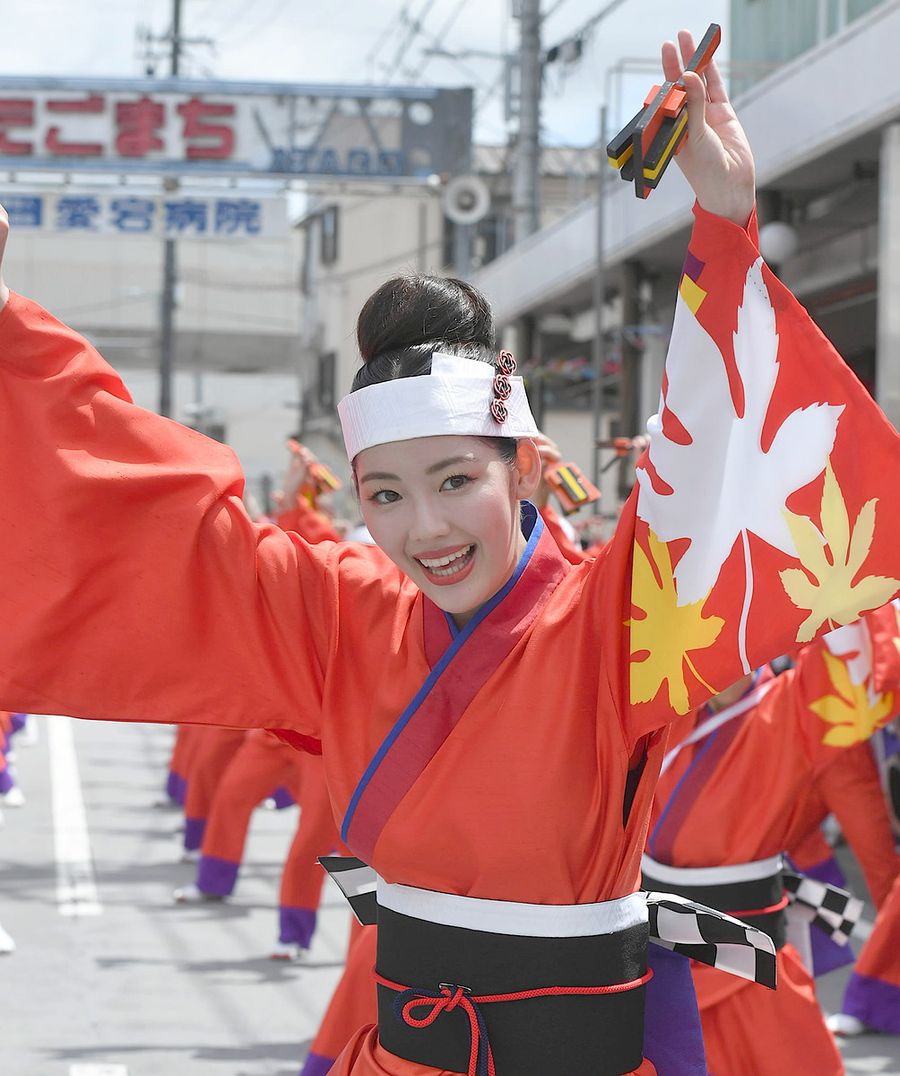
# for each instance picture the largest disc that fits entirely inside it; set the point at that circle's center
(233, 128)
(225, 216)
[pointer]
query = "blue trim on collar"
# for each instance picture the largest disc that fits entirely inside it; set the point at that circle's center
(677, 789)
(530, 516)
(706, 746)
(532, 520)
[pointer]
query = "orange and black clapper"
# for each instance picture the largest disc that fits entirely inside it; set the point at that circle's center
(642, 150)
(571, 488)
(324, 479)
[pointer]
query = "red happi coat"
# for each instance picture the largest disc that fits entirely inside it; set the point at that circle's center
(494, 762)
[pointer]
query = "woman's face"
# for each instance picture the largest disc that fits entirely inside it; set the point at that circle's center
(446, 511)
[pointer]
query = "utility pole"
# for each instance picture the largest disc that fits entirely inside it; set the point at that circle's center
(170, 264)
(599, 301)
(528, 147)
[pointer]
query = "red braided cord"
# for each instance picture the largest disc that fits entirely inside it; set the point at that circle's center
(557, 991)
(783, 903)
(458, 997)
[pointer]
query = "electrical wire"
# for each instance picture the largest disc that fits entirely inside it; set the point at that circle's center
(415, 29)
(552, 10)
(399, 19)
(437, 40)
(266, 20)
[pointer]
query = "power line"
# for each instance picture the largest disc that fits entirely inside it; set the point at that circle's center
(601, 14)
(437, 41)
(271, 17)
(399, 18)
(553, 10)
(490, 92)
(588, 26)
(415, 29)
(230, 16)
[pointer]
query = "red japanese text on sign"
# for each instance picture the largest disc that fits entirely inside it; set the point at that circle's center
(15, 112)
(216, 139)
(92, 105)
(138, 123)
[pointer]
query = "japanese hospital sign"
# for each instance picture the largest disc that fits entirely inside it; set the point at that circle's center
(176, 216)
(191, 127)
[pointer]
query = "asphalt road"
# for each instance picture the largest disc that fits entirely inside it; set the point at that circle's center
(110, 978)
(136, 981)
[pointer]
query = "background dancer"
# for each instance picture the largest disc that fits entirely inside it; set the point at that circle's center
(850, 790)
(724, 809)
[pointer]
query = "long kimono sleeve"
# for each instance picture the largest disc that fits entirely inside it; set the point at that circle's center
(134, 585)
(765, 508)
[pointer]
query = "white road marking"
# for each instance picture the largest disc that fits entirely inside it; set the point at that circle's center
(76, 891)
(98, 1070)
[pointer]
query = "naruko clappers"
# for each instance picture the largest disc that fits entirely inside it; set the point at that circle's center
(642, 150)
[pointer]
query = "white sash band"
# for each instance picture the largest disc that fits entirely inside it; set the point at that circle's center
(510, 917)
(691, 876)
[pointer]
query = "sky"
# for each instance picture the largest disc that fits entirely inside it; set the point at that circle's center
(366, 41)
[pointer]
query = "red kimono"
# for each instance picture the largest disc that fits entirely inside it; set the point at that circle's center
(512, 760)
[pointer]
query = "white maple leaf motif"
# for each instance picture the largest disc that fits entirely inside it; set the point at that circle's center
(723, 482)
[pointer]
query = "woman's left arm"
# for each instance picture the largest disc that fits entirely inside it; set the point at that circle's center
(765, 509)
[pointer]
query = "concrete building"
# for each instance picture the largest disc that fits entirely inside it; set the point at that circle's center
(825, 127)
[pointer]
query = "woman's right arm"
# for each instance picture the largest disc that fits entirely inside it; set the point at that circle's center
(134, 585)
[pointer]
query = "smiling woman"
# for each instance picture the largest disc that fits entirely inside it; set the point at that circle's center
(444, 508)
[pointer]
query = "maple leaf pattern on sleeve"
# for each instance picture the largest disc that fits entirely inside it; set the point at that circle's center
(657, 661)
(723, 482)
(853, 709)
(834, 557)
(766, 487)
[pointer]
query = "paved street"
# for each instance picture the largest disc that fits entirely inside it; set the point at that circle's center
(146, 985)
(111, 979)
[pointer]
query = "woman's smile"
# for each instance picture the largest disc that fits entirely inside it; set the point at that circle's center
(446, 566)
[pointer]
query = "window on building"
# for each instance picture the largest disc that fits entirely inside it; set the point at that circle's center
(326, 382)
(856, 8)
(329, 234)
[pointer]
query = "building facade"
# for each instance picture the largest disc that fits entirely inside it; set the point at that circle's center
(825, 127)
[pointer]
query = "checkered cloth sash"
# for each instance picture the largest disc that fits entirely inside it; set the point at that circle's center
(357, 881)
(700, 933)
(833, 910)
(711, 937)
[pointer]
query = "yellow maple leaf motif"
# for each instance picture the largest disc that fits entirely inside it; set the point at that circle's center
(668, 632)
(850, 713)
(834, 598)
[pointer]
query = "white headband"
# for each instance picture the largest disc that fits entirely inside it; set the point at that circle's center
(459, 396)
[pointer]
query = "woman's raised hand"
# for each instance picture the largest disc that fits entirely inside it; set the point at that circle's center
(4, 233)
(716, 158)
